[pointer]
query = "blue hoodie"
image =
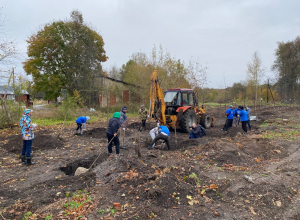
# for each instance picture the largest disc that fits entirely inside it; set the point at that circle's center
(230, 113)
(243, 115)
(81, 119)
(164, 129)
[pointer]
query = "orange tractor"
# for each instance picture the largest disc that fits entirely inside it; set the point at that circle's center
(177, 108)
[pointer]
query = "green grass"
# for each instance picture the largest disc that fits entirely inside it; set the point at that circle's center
(57, 121)
(280, 130)
(283, 134)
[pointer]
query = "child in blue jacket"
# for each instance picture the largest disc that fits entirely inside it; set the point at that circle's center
(81, 120)
(163, 134)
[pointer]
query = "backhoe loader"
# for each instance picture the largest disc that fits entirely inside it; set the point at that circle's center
(176, 108)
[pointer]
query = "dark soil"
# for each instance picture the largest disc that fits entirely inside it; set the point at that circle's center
(97, 133)
(196, 179)
(71, 168)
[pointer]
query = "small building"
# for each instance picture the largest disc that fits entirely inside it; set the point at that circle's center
(7, 92)
(110, 92)
(113, 91)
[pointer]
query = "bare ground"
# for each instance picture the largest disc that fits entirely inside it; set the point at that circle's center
(197, 179)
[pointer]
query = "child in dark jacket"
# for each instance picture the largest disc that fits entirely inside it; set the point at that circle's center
(113, 127)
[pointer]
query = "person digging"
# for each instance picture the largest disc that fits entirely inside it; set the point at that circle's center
(27, 134)
(163, 133)
(111, 133)
(81, 120)
(143, 113)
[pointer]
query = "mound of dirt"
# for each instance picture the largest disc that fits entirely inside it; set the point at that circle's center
(41, 142)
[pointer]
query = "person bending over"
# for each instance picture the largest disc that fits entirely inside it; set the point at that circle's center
(81, 120)
(163, 134)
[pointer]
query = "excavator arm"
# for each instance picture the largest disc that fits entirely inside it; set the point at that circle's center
(157, 102)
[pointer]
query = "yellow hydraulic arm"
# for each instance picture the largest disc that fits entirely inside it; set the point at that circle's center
(157, 99)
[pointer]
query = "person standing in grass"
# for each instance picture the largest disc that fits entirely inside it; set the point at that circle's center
(81, 120)
(113, 126)
(27, 134)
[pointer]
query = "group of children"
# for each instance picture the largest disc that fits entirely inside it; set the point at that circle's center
(237, 114)
(120, 120)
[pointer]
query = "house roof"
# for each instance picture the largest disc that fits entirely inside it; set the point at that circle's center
(8, 90)
(120, 81)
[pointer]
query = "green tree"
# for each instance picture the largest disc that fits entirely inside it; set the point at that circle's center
(287, 65)
(65, 55)
(254, 76)
(172, 73)
(238, 91)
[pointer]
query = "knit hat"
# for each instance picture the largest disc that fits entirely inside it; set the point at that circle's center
(116, 115)
(87, 118)
(230, 106)
(124, 108)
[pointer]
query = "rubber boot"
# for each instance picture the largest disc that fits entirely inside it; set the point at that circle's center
(23, 159)
(81, 131)
(75, 132)
(29, 162)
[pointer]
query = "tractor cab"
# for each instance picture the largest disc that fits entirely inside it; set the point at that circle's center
(180, 97)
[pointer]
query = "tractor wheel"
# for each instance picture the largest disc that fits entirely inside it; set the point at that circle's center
(188, 118)
(205, 121)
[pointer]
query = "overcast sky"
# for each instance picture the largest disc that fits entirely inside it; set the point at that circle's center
(220, 34)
